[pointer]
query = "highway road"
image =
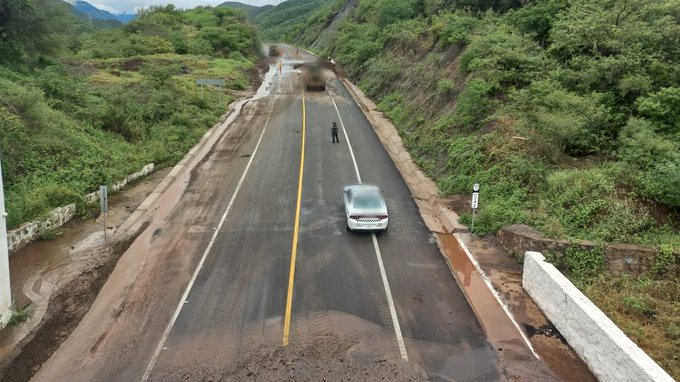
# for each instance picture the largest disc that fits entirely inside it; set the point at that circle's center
(240, 297)
(253, 252)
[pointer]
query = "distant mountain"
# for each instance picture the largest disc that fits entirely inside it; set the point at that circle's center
(97, 14)
(82, 22)
(252, 10)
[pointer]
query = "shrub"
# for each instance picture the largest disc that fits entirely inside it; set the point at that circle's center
(587, 204)
(25, 101)
(662, 107)
(642, 147)
(504, 57)
(144, 45)
(473, 105)
(666, 175)
(200, 46)
(576, 125)
(454, 28)
(18, 316)
(579, 264)
(158, 74)
(391, 11)
(380, 74)
(445, 87)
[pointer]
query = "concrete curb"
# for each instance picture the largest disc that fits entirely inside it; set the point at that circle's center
(609, 353)
(433, 210)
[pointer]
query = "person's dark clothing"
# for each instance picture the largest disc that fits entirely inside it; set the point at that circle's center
(334, 133)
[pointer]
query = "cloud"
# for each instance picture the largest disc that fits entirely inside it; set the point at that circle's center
(105, 7)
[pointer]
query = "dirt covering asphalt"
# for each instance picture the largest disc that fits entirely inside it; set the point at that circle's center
(326, 359)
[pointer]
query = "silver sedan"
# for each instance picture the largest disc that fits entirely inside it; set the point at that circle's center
(365, 208)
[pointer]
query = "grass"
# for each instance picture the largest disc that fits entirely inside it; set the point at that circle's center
(50, 234)
(18, 316)
(646, 309)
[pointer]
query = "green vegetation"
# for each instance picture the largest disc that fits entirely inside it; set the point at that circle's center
(18, 316)
(280, 23)
(580, 265)
(646, 309)
(565, 111)
(75, 116)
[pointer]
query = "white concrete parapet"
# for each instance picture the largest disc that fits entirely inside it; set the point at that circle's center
(607, 351)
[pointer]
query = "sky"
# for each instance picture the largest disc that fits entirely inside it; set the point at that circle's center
(129, 6)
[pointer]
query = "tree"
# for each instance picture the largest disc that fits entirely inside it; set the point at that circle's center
(29, 30)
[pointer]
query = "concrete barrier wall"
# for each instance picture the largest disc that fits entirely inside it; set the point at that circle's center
(618, 258)
(607, 351)
(27, 232)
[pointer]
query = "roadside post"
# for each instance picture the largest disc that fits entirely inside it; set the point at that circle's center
(475, 204)
(104, 205)
(5, 292)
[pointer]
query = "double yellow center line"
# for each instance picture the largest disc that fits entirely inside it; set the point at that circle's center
(296, 229)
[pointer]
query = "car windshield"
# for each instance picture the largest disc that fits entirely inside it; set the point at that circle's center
(367, 201)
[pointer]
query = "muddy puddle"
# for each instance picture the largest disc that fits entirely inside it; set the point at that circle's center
(546, 357)
(501, 331)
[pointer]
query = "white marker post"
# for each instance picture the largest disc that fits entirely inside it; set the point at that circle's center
(5, 292)
(104, 205)
(475, 204)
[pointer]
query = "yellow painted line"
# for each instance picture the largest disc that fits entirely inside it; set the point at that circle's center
(296, 229)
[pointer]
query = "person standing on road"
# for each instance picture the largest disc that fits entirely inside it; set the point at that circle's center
(334, 133)
(280, 66)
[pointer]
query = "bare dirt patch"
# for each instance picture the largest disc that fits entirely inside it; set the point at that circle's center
(325, 359)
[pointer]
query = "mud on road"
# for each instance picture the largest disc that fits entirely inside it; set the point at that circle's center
(324, 359)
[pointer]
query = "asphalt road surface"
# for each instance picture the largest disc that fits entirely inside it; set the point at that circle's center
(275, 262)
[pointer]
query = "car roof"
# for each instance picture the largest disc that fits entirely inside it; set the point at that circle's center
(364, 187)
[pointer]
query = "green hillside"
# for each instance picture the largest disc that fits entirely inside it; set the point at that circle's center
(282, 22)
(251, 10)
(82, 109)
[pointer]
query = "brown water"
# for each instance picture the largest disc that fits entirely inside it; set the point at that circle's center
(501, 331)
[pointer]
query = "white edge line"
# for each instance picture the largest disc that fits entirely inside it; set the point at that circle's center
(390, 302)
(166, 333)
(383, 274)
(495, 293)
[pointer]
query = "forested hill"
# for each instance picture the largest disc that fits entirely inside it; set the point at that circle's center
(567, 112)
(282, 22)
(81, 107)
